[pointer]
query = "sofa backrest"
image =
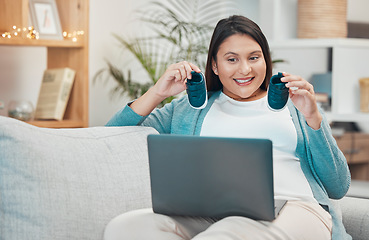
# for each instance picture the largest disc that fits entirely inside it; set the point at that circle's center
(69, 183)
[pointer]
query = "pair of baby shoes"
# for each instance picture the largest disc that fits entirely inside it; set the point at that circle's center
(197, 95)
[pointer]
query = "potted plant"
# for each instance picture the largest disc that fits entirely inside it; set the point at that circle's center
(181, 31)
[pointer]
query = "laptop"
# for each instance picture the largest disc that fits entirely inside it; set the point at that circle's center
(212, 177)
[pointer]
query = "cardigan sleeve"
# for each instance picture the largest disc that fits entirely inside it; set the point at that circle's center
(327, 161)
(160, 119)
(126, 117)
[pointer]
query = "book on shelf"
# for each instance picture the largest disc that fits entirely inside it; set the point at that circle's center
(54, 93)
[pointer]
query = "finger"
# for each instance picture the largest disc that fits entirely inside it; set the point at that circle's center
(173, 75)
(285, 74)
(182, 71)
(291, 78)
(194, 67)
(177, 75)
(172, 66)
(185, 68)
(300, 85)
(309, 90)
(302, 92)
(294, 82)
(188, 69)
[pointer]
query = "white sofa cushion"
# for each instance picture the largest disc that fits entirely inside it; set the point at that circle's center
(68, 183)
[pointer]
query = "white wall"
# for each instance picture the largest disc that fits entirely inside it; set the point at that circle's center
(357, 11)
(106, 17)
(21, 68)
(278, 18)
(116, 16)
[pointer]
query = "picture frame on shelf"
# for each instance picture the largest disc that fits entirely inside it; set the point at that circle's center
(45, 19)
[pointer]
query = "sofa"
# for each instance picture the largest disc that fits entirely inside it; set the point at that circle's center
(69, 183)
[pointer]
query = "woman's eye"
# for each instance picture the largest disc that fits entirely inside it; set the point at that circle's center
(232, 60)
(254, 58)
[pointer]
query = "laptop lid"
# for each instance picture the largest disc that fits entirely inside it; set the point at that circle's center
(211, 176)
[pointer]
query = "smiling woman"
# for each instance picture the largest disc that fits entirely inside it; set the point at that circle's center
(237, 73)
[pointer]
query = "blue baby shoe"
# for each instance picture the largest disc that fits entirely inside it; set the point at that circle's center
(277, 93)
(196, 90)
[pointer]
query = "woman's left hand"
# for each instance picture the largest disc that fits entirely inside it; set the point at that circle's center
(303, 97)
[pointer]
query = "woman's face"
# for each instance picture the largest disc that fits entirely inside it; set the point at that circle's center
(241, 68)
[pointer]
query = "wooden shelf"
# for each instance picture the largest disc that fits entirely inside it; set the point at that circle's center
(40, 42)
(320, 43)
(58, 124)
(348, 117)
(74, 16)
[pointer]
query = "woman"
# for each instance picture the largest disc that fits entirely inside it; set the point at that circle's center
(309, 168)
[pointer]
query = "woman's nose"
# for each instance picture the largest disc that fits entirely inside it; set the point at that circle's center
(245, 68)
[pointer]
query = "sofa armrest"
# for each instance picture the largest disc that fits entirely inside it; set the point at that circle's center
(355, 216)
(359, 189)
(355, 210)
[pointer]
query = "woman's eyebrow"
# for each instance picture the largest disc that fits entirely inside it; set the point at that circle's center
(256, 51)
(233, 53)
(230, 53)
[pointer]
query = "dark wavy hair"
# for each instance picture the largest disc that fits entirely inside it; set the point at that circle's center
(226, 28)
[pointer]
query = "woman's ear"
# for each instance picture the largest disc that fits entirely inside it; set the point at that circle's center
(214, 67)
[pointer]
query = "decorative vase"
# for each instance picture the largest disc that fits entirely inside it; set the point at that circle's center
(322, 19)
(364, 94)
(21, 110)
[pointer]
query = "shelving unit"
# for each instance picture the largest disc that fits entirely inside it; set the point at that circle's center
(74, 16)
(348, 61)
(354, 146)
(40, 43)
(346, 58)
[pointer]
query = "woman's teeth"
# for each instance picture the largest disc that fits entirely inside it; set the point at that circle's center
(243, 81)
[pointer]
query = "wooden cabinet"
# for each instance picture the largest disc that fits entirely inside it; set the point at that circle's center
(355, 147)
(74, 16)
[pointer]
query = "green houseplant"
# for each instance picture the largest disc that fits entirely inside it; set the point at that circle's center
(180, 29)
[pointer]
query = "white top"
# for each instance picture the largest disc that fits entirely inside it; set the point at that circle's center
(230, 118)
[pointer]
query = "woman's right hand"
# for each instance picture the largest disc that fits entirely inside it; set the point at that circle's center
(173, 81)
